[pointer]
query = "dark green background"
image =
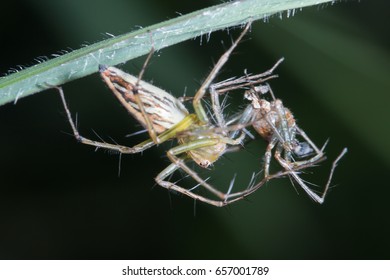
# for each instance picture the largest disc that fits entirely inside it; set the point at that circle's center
(60, 199)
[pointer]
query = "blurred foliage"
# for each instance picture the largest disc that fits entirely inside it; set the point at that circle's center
(60, 199)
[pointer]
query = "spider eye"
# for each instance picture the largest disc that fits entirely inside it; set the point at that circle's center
(205, 163)
(302, 149)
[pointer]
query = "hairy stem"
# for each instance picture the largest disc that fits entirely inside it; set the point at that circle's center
(115, 50)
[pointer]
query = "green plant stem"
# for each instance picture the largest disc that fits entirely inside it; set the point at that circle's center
(115, 50)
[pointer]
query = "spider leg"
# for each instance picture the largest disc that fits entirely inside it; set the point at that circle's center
(122, 149)
(148, 122)
(245, 118)
(217, 110)
(227, 198)
(247, 81)
(268, 155)
(292, 172)
(179, 164)
(199, 110)
(287, 131)
(184, 148)
(319, 154)
(308, 140)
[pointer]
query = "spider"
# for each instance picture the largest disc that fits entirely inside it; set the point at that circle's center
(276, 124)
(165, 118)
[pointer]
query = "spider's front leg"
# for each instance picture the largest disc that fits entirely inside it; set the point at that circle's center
(160, 179)
(114, 147)
(199, 110)
(204, 148)
(192, 149)
(136, 90)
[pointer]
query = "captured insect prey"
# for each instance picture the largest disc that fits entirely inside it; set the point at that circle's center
(204, 136)
(276, 124)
